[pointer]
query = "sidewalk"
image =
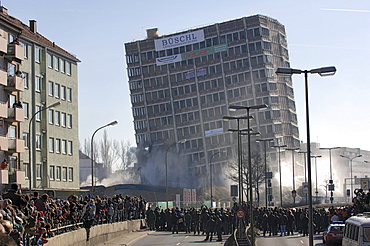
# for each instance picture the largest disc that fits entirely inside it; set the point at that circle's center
(127, 239)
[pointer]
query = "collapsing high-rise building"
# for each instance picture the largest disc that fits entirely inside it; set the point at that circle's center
(182, 84)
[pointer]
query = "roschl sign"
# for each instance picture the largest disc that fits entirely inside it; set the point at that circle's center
(179, 40)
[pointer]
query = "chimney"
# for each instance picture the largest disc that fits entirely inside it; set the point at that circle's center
(33, 26)
(3, 10)
(152, 33)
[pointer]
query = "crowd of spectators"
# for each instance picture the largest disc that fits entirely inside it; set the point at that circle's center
(32, 219)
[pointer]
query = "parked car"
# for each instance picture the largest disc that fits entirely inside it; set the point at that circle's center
(334, 233)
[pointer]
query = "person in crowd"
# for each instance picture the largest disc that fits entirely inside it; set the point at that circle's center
(16, 198)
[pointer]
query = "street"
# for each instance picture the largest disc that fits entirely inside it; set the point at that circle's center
(295, 240)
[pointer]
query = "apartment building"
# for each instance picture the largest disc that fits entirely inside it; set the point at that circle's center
(39, 109)
(182, 84)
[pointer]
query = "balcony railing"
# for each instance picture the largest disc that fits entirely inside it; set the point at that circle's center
(15, 145)
(15, 52)
(4, 143)
(15, 115)
(3, 45)
(15, 83)
(3, 77)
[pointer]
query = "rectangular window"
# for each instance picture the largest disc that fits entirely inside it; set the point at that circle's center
(37, 54)
(62, 66)
(56, 63)
(25, 48)
(69, 148)
(70, 174)
(25, 80)
(63, 119)
(26, 169)
(57, 90)
(38, 171)
(69, 120)
(57, 118)
(25, 109)
(51, 144)
(25, 138)
(58, 172)
(68, 68)
(69, 94)
(57, 145)
(38, 84)
(51, 116)
(12, 132)
(51, 88)
(50, 61)
(64, 146)
(64, 174)
(38, 142)
(63, 92)
(52, 172)
(38, 115)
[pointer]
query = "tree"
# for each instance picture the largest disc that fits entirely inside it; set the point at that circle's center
(258, 171)
(125, 153)
(107, 153)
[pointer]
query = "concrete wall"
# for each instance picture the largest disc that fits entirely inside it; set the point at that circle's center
(98, 235)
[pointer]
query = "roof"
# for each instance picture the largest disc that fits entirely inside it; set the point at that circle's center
(26, 33)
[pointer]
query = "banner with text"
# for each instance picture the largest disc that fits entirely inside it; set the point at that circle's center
(179, 40)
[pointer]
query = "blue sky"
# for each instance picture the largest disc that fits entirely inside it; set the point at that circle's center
(320, 33)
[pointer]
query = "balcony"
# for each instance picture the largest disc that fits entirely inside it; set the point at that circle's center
(15, 145)
(3, 77)
(20, 177)
(4, 177)
(15, 115)
(15, 52)
(3, 111)
(15, 83)
(3, 143)
(3, 45)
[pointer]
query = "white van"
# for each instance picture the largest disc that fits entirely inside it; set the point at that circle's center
(357, 231)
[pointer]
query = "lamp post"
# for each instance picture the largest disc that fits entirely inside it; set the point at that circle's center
(92, 153)
(322, 71)
(166, 163)
(316, 156)
(294, 192)
(331, 183)
(351, 159)
(305, 169)
(280, 185)
(264, 148)
(211, 173)
(31, 167)
(256, 107)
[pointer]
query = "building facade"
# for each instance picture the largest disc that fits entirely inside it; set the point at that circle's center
(39, 93)
(181, 86)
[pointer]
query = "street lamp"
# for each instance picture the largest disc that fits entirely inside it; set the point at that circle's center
(331, 183)
(211, 172)
(264, 148)
(351, 159)
(92, 153)
(256, 107)
(322, 71)
(316, 156)
(294, 192)
(31, 167)
(166, 163)
(280, 185)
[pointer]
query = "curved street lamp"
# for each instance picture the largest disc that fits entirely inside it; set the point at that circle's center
(322, 71)
(32, 168)
(166, 163)
(92, 153)
(351, 159)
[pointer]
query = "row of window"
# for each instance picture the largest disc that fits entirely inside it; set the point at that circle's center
(161, 135)
(188, 130)
(60, 118)
(159, 108)
(184, 117)
(160, 121)
(57, 63)
(185, 103)
(60, 146)
(57, 173)
(227, 38)
(59, 91)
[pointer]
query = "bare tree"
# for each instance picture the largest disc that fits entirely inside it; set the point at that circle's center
(107, 153)
(124, 153)
(258, 173)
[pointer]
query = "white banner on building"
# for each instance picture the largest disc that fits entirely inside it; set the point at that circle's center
(168, 59)
(179, 40)
(213, 131)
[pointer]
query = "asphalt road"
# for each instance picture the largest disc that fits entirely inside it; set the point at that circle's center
(294, 240)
